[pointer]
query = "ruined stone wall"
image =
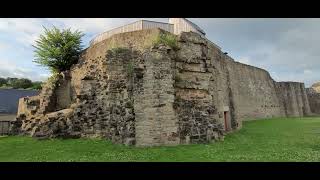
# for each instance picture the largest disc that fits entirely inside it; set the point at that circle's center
(251, 93)
(166, 100)
(196, 100)
(156, 122)
(124, 91)
(314, 100)
(130, 91)
(224, 93)
(294, 98)
(255, 96)
(246, 92)
(63, 92)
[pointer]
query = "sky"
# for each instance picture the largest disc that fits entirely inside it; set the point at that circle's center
(287, 48)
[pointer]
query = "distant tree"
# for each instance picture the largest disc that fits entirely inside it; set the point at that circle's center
(11, 81)
(3, 81)
(36, 85)
(58, 49)
(21, 83)
(17, 83)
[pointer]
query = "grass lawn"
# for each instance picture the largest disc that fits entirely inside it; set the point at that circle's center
(286, 139)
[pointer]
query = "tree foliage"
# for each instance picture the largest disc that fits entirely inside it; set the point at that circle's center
(17, 83)
(36, 85)
(58, 49)
(21, 83)
(3, 81)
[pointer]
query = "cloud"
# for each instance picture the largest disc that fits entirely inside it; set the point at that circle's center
(287, 48)
(25, 31)
(10, 69)
(307, 71)
(244, 60)
(3, 46)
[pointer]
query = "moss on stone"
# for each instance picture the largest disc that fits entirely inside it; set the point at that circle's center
(130, 69)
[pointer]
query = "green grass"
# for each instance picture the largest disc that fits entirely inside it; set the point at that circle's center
(290, 139)
(167, 39)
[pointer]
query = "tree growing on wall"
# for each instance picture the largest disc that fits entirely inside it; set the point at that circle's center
(58, 49)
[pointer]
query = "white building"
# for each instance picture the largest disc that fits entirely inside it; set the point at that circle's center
(184, 25)
(175, 26)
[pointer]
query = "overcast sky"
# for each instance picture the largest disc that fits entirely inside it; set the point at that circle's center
(287, 48)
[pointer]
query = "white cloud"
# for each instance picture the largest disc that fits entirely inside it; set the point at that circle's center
(24, 31)
(3, 46)
(90, 25)
(287, 48)
(10, 69)
(244, 60)
(275, 76)
(307, 71)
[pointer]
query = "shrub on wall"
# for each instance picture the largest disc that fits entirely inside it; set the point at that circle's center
(167, 39)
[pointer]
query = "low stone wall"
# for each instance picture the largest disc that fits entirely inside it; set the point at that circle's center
(9, 99)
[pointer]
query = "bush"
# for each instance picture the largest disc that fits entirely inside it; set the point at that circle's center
(3, 82)
(36, 85)
(58, 49)
(167, 39)
(16, 83)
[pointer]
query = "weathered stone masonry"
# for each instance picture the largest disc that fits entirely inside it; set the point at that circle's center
(313, 95)
(128, 91)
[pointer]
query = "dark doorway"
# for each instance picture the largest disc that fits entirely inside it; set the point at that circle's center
(225, 114)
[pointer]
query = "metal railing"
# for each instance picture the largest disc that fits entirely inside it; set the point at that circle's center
(135, 26)
(4, 127)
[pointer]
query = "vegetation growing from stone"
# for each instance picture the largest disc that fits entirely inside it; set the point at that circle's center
(119, 50)
(130, 69)
(167, 39)
(19, 83)
(53, 79)
(279, 139)
(58, 49)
